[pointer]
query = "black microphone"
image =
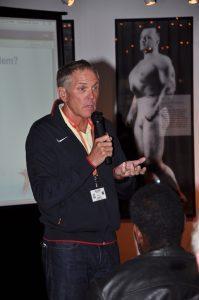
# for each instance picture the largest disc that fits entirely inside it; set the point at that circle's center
(99, 129)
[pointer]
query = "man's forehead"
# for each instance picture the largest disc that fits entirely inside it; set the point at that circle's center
(84, 75)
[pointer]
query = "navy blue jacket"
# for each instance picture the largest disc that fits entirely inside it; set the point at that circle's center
(61, 179)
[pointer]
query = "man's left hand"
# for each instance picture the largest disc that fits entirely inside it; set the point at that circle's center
(130, 168)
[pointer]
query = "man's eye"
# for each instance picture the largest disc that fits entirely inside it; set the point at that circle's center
(82, 88)
(95, 88)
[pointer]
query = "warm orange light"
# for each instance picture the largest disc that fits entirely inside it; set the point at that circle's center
(193, 1)
(70, 2)
(150, 2)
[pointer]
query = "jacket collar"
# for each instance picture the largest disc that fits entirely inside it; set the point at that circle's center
(57, 117)
(168, 251)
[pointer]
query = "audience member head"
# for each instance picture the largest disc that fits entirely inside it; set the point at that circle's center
(195, 240)
(157, 214)
(65, 72)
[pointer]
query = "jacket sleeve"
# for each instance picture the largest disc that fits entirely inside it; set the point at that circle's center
(48, 186)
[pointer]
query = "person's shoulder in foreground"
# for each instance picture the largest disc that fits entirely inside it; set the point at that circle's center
(163, 269)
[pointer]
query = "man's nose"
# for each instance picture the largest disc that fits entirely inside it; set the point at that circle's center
(91, 94)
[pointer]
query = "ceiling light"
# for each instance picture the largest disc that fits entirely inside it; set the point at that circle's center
(150, 2)
(68, 2)
(193, 1)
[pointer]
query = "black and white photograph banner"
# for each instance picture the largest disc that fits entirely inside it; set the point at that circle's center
(154, 115)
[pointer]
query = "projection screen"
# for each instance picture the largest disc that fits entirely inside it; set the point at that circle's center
(28, 65)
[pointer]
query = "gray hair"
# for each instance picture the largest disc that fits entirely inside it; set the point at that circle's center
(65, 72)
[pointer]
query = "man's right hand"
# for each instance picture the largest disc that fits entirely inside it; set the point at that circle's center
(102, 148)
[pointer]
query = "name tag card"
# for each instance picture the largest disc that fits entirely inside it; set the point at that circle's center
(98, 194)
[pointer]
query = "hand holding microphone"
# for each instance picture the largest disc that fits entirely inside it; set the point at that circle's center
(102, 148)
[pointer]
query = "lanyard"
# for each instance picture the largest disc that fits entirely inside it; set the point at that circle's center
(78, 131)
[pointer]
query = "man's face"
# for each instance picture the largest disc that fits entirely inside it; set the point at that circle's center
(82, 93)
(148, 40)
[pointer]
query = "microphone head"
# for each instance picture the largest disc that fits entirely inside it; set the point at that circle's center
(97, 116)
(99, 125)
(99, 129)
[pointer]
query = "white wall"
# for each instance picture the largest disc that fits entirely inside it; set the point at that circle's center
(95, 30)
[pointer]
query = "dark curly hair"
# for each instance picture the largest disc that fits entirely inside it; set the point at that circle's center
(157, 211)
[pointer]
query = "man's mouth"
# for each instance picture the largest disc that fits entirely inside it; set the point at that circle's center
(91, 107)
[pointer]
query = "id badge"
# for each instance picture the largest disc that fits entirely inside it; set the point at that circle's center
(98, 194)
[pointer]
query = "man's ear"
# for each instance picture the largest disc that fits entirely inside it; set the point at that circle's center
(142, 240)
(138, 235)
(63, 95)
